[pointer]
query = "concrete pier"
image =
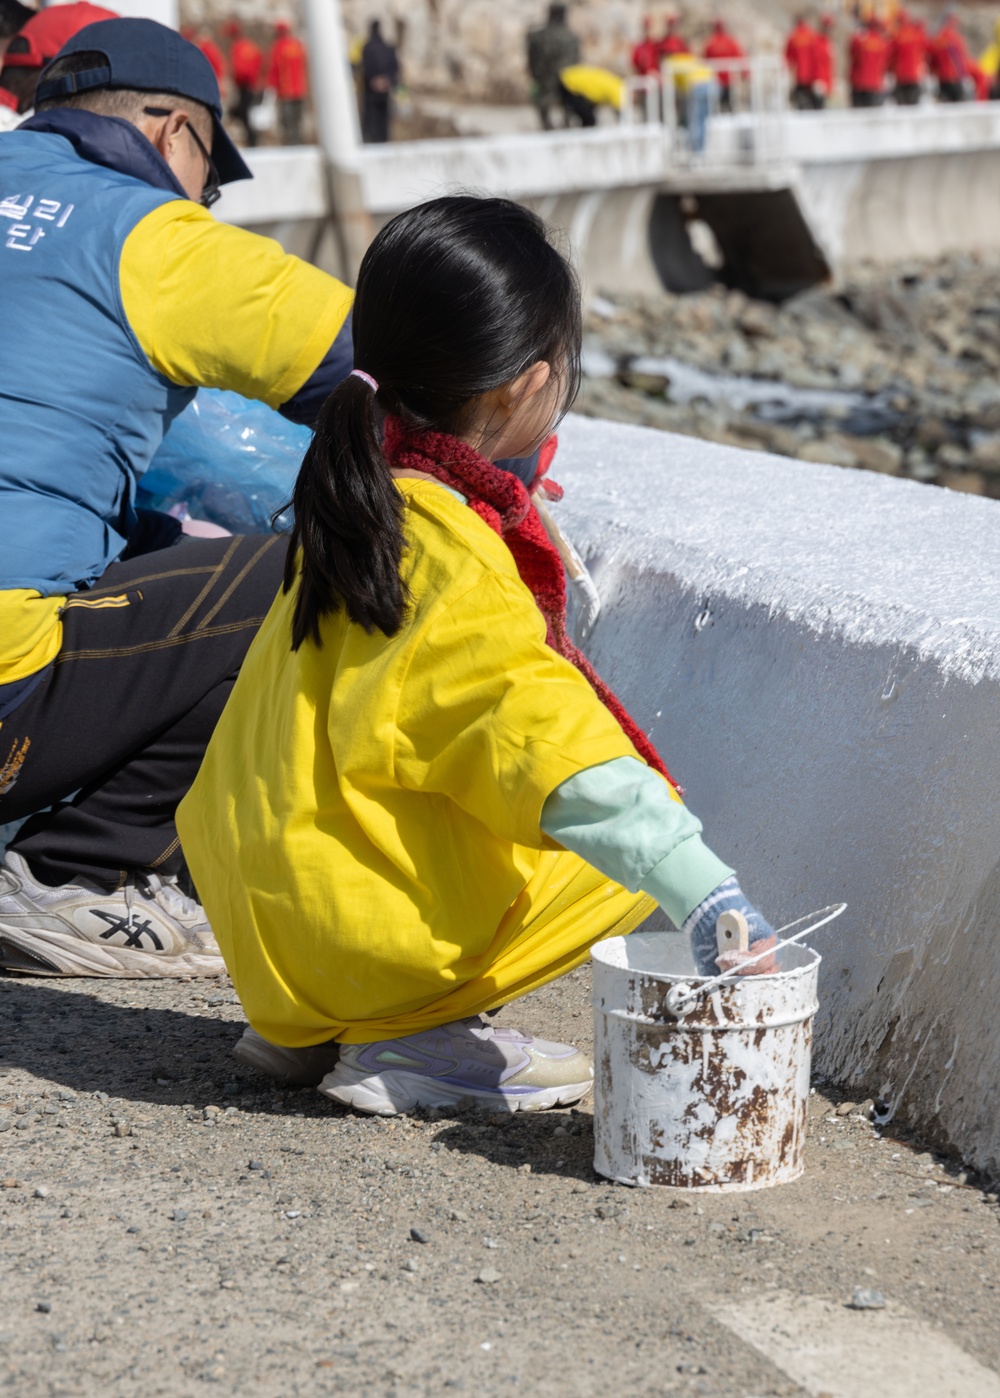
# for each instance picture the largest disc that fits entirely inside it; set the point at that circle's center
(790, 196)
(817, 654)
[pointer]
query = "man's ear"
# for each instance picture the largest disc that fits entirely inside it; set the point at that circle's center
(163, 132)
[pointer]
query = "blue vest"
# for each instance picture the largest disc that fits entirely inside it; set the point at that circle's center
(82, 410)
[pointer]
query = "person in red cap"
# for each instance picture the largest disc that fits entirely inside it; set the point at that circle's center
(672, 41)
(869, 55)
(13, 17)
(825, 62)
(908, 58)
(287, 75)
(38, 42)
(246, 63)
(801, 57)
(722, 46)
(949, 61)
(206, 45)
(646, 54)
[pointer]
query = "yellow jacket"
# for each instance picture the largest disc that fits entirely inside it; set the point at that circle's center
(990, 59)
(688, 71)
(598, 85)
(364, 831)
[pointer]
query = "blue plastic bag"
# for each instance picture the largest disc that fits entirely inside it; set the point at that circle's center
(226, 459)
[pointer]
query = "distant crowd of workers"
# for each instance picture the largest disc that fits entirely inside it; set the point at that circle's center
(247, 75)
(566, 89)
(895, 58)
(251, 79)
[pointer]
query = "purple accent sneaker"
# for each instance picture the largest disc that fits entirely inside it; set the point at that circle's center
(465, 1063)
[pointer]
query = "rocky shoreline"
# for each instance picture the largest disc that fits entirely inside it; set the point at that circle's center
(893, 370)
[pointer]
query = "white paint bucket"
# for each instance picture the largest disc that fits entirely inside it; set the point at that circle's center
(715, 1100)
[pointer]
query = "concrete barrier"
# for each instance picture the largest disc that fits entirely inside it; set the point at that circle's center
(817, 654)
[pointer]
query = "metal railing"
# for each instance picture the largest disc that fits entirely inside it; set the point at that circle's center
(753, 131)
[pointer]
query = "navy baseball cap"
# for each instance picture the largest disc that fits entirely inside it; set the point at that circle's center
(145, 56)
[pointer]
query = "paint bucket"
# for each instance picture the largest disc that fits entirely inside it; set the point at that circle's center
(715, 1099)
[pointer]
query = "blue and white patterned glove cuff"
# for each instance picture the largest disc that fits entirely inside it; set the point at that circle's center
(700, 924)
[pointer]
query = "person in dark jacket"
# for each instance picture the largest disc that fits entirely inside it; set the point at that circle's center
(116, 661)
(551, 49)
(379, 76)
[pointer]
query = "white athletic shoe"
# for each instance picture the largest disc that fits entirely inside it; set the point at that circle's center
(465, 1063)
(299, 1067)
(148, 929)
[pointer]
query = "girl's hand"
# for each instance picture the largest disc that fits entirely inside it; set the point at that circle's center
(733, 960)
(700, 926)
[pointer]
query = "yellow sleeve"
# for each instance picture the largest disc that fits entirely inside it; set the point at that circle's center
(493, 717)
(214, 306)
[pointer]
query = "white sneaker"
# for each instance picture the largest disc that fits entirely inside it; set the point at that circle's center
(466, 1063)
(302, 1067)
(148, 929)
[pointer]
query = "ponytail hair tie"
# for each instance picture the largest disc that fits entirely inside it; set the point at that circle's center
(360, 374)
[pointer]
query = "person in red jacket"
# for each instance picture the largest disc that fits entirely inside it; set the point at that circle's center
(646, 54)
(949, 61)
(721, 47)
(672, 42)
(246, 63)
(37, 44)
(209, 48)
(825, 63)
(908, 58)
(981, 81)
(869, 55)
(286, 74)
(13, 17)
(801, 56)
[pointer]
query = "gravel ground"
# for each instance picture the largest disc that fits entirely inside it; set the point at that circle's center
(171, 1220)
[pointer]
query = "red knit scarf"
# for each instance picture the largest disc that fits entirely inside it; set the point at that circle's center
(500, 499)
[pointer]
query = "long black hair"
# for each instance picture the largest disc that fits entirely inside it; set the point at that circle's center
(455, 298)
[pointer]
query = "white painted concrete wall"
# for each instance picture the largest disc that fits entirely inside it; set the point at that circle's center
(817, 654)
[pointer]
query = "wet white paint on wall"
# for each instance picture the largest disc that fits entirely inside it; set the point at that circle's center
(872, 559)
(817, 654)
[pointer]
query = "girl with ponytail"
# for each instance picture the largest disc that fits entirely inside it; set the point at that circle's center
(421, 802)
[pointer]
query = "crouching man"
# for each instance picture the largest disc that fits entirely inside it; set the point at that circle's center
(121, 296)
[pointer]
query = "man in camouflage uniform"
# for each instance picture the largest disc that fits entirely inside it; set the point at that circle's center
(550, 49)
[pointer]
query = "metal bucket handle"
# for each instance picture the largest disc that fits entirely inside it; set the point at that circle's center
(682, 998)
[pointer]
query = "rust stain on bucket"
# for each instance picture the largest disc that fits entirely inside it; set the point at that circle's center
(716, 1100)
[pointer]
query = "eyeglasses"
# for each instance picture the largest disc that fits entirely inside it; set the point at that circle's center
(210, 192)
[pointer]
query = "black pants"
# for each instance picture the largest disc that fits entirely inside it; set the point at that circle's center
(863, 98)
(579, 107)
(246, 100)
(290, 116)
(375, 118)
(951, 92)
(113, 736)
(907, 94)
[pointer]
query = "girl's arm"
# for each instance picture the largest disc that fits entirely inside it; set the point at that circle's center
(624, 819)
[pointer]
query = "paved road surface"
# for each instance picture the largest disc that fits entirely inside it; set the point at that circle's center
(170, 1221)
